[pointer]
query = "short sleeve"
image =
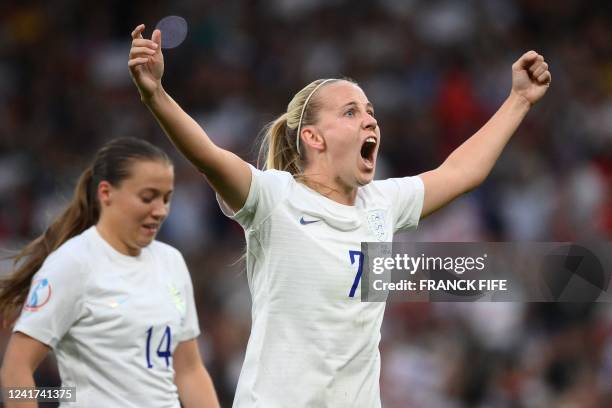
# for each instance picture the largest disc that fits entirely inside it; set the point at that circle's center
(268, 188)
(55, 299)
(406, 195)
(190, 327)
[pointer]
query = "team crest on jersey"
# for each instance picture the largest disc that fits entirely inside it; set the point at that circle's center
(177, 298)
(376, 222)
(39, 295)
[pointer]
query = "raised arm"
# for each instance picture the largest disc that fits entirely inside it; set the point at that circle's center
(469, 165)
(227, 173)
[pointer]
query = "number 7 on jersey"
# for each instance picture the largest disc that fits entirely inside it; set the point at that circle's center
(356, 257)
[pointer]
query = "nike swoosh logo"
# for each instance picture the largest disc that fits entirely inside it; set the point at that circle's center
(306, 222)
(115, 303)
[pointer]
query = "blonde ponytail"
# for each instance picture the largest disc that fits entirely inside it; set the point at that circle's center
(279, 149)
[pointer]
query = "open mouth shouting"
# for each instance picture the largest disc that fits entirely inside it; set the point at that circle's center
(368, 152)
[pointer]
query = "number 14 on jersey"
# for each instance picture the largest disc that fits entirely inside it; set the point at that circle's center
(163, 349)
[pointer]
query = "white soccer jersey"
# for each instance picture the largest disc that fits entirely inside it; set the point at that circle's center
(112, 320)
(313, 342)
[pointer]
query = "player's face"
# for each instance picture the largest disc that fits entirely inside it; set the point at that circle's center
(352, 136)
(140, 204)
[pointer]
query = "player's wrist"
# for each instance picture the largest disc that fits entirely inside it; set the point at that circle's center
(520, 101)
(152, 98)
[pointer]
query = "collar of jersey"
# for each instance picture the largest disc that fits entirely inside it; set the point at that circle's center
(111, 252)
(313, 205)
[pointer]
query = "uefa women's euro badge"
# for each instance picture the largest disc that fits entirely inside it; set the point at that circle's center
(376, 222)
(39, 295)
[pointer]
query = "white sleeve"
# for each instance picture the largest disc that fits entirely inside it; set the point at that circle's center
(268, 188)
(406, 195)
(55, 300)
(190, 328)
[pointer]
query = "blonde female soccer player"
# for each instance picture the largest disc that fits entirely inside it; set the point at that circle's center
(114, 305)
(313, 343)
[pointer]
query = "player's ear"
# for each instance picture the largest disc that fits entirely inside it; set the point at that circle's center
(313, 138)
(105, 193)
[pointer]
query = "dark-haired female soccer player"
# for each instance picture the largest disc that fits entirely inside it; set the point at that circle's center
(114, 305)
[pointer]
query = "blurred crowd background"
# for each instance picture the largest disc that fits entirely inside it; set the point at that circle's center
(434, 70)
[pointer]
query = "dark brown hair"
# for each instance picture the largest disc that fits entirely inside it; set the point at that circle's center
(111, 163)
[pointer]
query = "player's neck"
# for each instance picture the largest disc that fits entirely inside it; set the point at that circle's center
(330, 187)
(105, 231)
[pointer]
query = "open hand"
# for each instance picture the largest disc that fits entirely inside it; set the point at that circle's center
(146, 62)
(530, 77)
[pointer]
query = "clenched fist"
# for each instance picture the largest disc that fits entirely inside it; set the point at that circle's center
(530, 77)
